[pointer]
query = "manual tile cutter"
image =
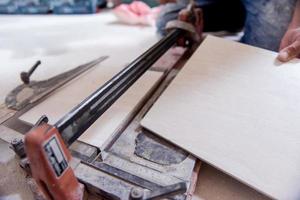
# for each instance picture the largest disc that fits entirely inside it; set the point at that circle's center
(46, 145)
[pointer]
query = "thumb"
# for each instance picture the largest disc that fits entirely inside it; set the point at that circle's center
(289, 52)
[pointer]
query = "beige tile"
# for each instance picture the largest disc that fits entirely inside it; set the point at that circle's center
(235, 108)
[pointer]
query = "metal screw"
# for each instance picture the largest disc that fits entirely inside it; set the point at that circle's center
(25, 76)
(16, 142)
(18, 146)
(136, 194)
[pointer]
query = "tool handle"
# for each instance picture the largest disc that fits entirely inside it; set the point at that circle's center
(49, 163)
(33, 68)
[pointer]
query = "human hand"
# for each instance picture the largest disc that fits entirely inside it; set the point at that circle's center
(290, 45)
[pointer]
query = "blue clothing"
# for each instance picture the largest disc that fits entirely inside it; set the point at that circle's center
(264, 21)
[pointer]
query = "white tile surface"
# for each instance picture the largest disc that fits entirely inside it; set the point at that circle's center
(63, 42)
(235, 108)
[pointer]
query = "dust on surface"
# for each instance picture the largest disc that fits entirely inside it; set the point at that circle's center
(12, 177)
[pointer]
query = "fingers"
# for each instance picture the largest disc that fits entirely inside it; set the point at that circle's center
(283, 44)
(289, 52)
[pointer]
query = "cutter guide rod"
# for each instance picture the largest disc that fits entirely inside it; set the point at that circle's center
(81, 117)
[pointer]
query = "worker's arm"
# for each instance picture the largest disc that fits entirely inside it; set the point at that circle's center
(290, 43)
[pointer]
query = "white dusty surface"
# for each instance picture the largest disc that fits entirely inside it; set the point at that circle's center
(12, 178)
(82, 39)
(61, 43)
(64, 42)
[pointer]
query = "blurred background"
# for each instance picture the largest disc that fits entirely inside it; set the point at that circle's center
(60, 6)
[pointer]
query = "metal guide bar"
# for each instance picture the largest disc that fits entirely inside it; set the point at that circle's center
(80, 118)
